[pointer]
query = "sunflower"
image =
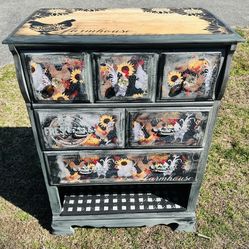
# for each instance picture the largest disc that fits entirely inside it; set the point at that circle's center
(60, 96)
(173, 77)
(105, 120)
(76, 76)
(126, 68)
(122, 162)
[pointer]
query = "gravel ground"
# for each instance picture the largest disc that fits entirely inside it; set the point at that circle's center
(233, 12)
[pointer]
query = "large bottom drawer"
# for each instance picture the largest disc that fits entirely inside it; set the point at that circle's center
(126, 166)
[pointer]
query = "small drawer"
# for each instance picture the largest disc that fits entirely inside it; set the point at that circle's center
(59, 77)
(167, 127)
(80, 128)
(189, 75)
(106, 167)
(125, 76)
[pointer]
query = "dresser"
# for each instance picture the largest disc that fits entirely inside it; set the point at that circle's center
(122, 104)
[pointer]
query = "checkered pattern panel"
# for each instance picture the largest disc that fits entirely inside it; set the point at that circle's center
(116, 203)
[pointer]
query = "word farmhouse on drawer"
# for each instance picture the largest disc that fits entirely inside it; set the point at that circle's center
(122, 114)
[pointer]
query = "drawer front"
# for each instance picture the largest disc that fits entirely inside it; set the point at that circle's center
(167, 127)
(189, 75)
(98, 128)
(123, 166)
(125, 76)
(59, 77)
(121, 77)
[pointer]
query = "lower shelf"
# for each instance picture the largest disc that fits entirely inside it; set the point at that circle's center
(123, 200)
(117, 203)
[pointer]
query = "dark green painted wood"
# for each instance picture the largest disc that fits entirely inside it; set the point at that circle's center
(179, 221)
(18, 45)
(135, 39)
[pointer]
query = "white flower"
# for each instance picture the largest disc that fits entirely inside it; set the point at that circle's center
(193, 11)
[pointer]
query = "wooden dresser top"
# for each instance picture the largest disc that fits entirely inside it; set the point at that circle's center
(52, 24)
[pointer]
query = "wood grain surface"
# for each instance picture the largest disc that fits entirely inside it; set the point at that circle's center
(119, 22)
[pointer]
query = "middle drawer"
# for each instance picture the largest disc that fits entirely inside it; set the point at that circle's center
(81, 128)
(95, 128)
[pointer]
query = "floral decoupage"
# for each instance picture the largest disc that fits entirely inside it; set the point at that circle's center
(125, 76)
(123, 167)
(190, 75)
(81, 129)
(58, 77)
(157, 128)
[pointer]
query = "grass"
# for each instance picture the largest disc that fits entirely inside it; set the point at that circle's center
(223, 209)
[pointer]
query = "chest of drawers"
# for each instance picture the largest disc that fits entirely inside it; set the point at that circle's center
(122, 104)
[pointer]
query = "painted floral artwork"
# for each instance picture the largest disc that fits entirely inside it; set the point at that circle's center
(58, 77)
(129, 167)
(124, 77)
(86, 129)
(190, 75)
(167, 128)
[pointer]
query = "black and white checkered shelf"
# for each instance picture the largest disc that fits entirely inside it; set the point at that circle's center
(116, 203)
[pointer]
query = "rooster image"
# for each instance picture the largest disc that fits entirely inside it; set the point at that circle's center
(102, 169)
(45, 28)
